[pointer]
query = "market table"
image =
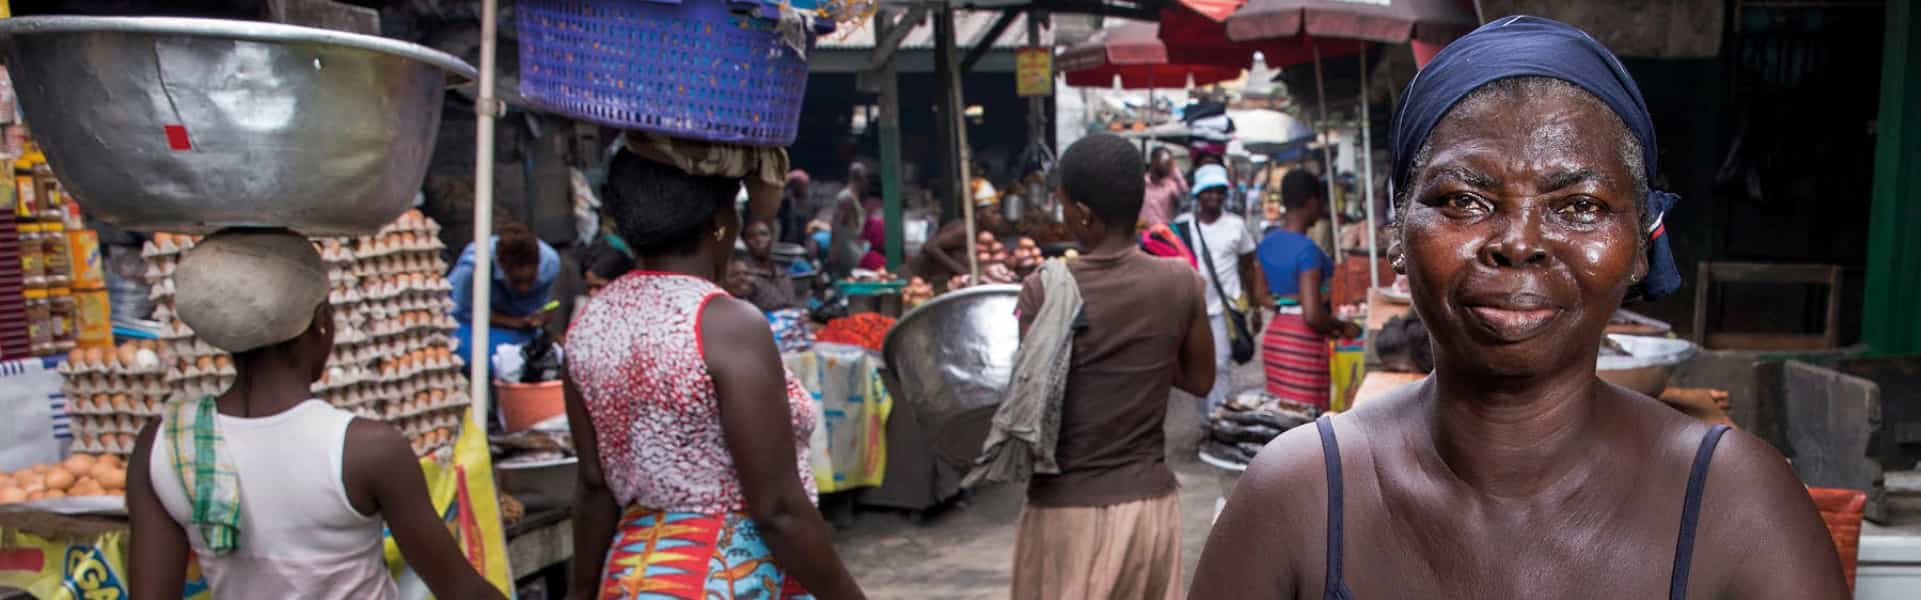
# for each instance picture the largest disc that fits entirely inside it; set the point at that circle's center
(540, 540)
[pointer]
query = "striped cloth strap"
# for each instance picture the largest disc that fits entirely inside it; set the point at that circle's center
(207, 474)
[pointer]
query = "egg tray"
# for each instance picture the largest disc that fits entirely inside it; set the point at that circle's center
(202, 387)
(364, 381)
(116, 404)
(382, 286)
(373, 349)
(384, 309)
(118, 423)
(425, 449)
(103, 443)
(375, 392)
(399, 260)
(422, 404)
(431, 323)
(144, 365)
(93, 384)
(167, 245)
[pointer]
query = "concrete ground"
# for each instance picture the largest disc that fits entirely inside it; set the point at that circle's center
(967, 552)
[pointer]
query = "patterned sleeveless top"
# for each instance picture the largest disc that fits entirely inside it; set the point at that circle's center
(635, 355)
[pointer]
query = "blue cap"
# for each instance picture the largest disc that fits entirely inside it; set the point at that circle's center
(1209, 177)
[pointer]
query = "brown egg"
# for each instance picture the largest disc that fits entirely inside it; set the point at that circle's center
(36, 495)
(122, 403)
(78, 464)
(59, 479)
(129, 355)
(109, 460)
(112, 479)
(96, 357)
(10, 495)
(51, 494)
(205, 363)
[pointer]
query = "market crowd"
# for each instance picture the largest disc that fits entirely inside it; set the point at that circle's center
(1523, 157)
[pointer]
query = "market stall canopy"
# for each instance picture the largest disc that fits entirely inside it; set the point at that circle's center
(1134, 52)
(1201, 24)
(1384, 21)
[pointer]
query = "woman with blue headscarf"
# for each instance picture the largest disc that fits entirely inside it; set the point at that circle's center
(1522, 161)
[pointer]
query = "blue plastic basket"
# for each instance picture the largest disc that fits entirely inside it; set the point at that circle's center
(701, 69)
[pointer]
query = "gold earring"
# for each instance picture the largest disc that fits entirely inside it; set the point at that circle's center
(1399, 262)
(720, 234)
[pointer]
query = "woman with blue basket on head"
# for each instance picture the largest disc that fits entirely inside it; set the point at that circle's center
(693, 438)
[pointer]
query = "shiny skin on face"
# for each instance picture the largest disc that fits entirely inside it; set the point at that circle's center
(1522, 234)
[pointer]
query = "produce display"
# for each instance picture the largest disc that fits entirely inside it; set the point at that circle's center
(866, 330)
(392, 359)
(1242, 426)
(917, 292)
(78, 475)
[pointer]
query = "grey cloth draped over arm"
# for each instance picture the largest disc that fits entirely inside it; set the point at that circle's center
(1027, 425)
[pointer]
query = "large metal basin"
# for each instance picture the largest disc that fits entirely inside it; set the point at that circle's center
(1648, 363)
(951, 359)
(193, 125)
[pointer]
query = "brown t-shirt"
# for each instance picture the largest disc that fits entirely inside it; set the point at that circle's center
(1137, 312)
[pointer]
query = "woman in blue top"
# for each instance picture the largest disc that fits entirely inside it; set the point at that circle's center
(1294, 350)
(524, 272)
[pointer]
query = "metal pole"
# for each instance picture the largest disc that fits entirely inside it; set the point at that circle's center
(486, 108)
(1367, 175)
(1327, 153)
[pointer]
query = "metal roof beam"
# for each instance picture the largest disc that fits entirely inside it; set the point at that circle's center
(897, 31)
(987, 40)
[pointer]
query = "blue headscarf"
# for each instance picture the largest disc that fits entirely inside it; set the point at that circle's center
(1524, 46)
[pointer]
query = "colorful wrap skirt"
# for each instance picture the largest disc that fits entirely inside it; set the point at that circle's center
(1294, 358)
(658, 555)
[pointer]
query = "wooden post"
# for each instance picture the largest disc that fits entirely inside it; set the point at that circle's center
(889, 122)
(953, 127)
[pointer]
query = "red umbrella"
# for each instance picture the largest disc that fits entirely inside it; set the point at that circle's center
(1135, 53)
(1190, 24)
(1385, 21)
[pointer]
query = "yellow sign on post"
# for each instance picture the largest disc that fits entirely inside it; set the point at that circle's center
(1034, 72)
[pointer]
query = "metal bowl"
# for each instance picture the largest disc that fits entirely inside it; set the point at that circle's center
(952, 358)
(1648, 363)
(193, 125)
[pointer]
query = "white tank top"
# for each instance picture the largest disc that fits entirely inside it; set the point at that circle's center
(299, 535)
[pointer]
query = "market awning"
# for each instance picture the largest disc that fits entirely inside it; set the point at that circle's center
(1135, 53)
(1385, 21)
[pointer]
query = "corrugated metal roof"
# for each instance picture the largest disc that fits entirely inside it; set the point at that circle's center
(969, 25)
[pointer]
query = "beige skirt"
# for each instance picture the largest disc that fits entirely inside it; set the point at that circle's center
(1127, 551)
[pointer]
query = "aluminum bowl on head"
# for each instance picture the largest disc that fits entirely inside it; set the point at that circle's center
(195, 125)
(952, 359)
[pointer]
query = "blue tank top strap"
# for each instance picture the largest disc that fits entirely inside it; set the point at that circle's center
(1335, 587)
(1691, 512)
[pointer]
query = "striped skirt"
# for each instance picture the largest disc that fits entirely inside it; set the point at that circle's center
(659, 555)
(1294, 358)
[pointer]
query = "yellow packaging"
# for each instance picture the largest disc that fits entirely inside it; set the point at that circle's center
(26, 195)
(93, 320)
(83, 254)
